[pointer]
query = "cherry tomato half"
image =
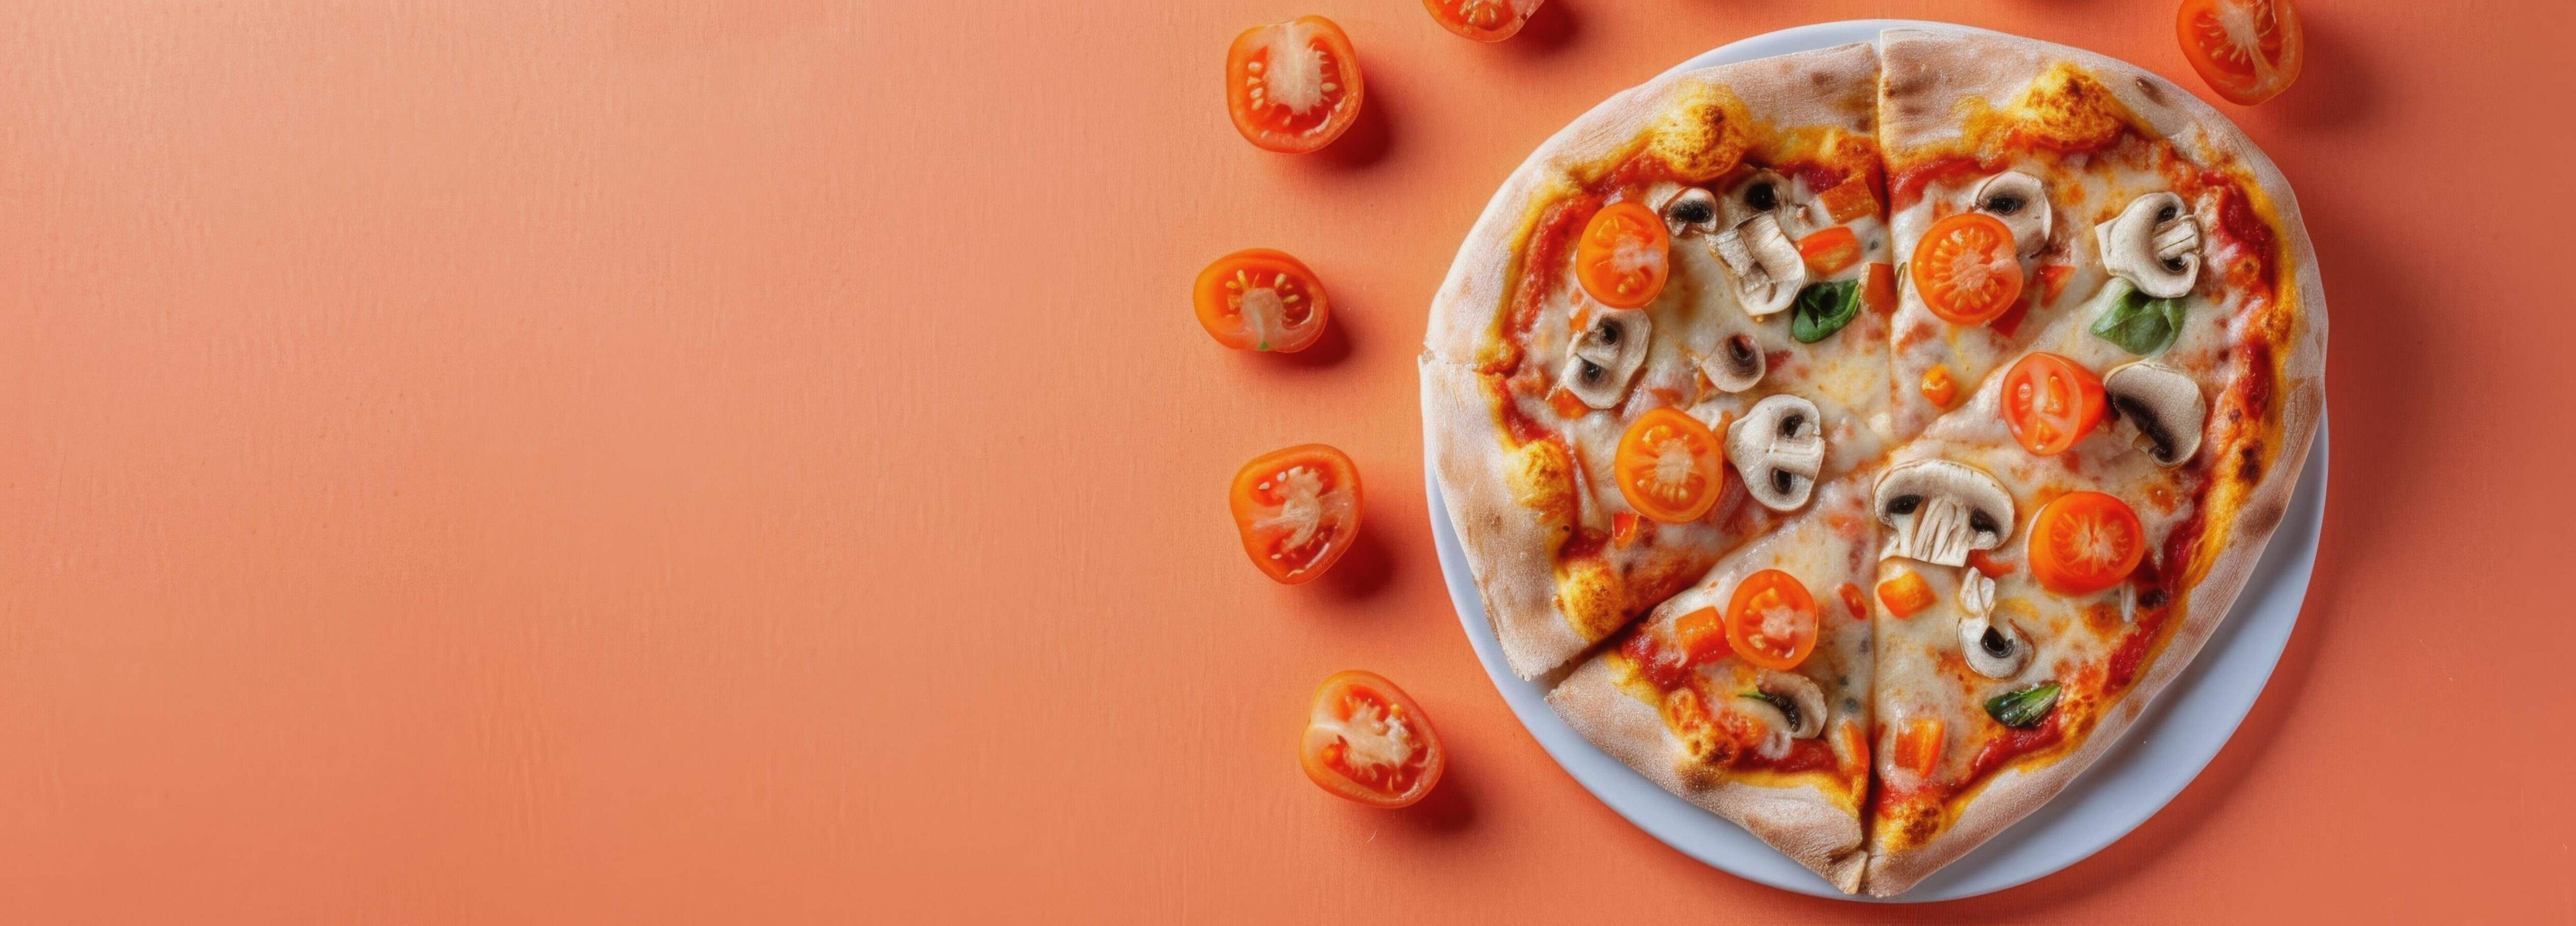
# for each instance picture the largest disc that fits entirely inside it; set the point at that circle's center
(2050, 402)
(1772, 620)
(1366, 741)
(1293, 87)
(1482, 20)
(1965, 270)
(1623, 255)
(2247, 50)
(1298, 510)
(1260, 299)
(2084, 542)
(1670, 467)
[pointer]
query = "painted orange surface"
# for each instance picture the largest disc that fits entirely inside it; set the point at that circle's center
(671, 462)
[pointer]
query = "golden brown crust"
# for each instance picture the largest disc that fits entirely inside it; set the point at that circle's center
(2236, 527)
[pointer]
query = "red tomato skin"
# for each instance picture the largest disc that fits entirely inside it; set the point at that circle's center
(1245, 501)
(1319, 769)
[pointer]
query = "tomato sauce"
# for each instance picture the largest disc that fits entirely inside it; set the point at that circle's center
(2012, 745)
(1906, 187)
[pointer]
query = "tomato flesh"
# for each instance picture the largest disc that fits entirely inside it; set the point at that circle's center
(1828, 252)
(1293, 87)
(1261, 299)
(1482, 20)
(1702, 636)
(1368, 742)
(2247, 50)
(1771, 620)
(1298, 510)
(1670, 467)
(1965, 270)
(1623, 255)
(2084, 542)
(2050, 402)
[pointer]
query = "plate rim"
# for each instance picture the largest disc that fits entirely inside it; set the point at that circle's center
(2242, 653)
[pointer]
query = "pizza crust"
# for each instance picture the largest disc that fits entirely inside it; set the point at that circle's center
(1962, 62)
(1803, 822)
(1510, 551)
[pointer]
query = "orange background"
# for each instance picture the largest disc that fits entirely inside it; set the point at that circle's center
(508, 462)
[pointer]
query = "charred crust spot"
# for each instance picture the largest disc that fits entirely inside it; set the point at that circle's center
(2249, 464)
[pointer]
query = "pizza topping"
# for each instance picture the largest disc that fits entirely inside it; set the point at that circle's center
(1623, 256)
(1771, 620)
(1298, 510)
(1293, 87)
(1778, 446)
(1824, 308)
(2140, 324)
(2050, 402)
(1366, 741)
(1994, 649)
(1763, 263)
(1942, 510)
(1918, 748)
(1964, 269)
(2024, 709)
(1669, 467)
(2154, 244)
(2161, 407)
(1693, 211)
(1905, 594)
(1606, 356)
(1701, 635)
(2084, 542)
(1737, 364)
(2021, 202)
(1762, 192)
(1794, 699)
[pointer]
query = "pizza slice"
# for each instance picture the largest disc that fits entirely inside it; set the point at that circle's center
(1749, 693)
(1690, 281)
(2058, 546)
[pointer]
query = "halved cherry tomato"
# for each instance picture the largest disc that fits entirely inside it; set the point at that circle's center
(1260, 299)
(1965, 270)
(2084, 542)
(1919, 746)
(2050, 402)
(1366, 741)
(1482, 20)
(1670, 467)
(2248, 50)
(1623, 255)
(1905, 594)
(1298, 510)
(1829, 251)
(1293, 87)
(1771, 620)
(1702, 637)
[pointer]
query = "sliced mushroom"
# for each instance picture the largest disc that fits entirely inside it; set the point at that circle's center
(1777, 726)
(1607, 355)
(1778, 446)
(1759, 193)
(2160, 406)
(1805, 701)
(2154, 243)
(2021, 201)
(1693, 211)
(1942, 510)
(1737, 363)
(1993, 648)
(1763, 264)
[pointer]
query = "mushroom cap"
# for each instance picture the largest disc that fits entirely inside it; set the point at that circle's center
(1606, 356)
(1762, 263)
(1941, 510)
(1778, 447)
(1762, 192)
(1692, 211)
(1736, 364)
(1801, 692)
(2154, 243)
(1994, 648)
(2162, 405)
(2021, 201)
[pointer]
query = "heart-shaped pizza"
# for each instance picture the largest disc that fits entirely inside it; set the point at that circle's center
(1857, 440)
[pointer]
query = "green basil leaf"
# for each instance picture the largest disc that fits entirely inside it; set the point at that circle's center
(2140, 325)
(2024, 709)
(1824, 308)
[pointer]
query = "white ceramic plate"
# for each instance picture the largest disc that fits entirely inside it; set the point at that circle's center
(2161, 753)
